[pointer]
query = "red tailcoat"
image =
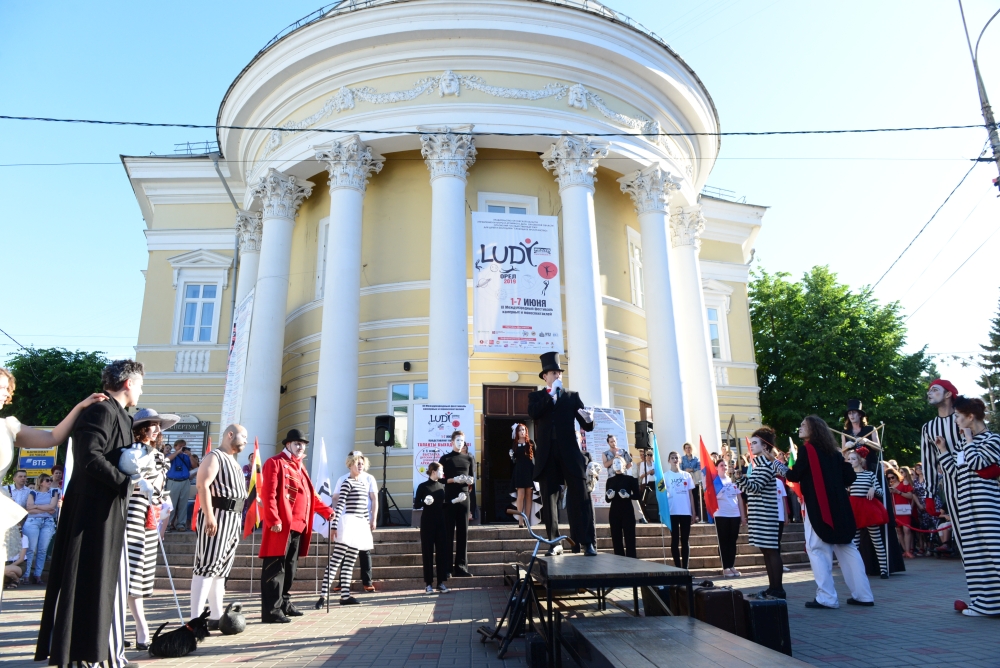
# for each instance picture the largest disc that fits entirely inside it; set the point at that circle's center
(288, 499)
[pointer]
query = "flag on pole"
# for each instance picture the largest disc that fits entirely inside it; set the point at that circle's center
(793, 454)
(252, 520)
(197, 501)
(749, 455)
(711, 476)
(323, 481)
(662, 496)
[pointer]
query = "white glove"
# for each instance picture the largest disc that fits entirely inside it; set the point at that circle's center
(145, 488)
(465, 479)
(588, 416)
(428, 500)
(460, 498)
(556, 387)
(623, 493)
(510, 454)
(610, 494)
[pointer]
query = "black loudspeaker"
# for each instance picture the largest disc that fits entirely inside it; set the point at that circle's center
(385, 431)
(643, 428)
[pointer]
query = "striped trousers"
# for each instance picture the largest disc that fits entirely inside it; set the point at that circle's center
(342, 562)
(213, 560)
(876, 535)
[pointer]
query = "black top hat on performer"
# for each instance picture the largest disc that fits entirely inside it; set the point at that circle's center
(854, 405)
(550, 362)
(294, 435)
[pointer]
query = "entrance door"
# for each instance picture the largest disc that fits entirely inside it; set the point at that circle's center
(502, 407)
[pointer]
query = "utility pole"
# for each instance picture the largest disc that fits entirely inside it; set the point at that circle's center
(991, 124)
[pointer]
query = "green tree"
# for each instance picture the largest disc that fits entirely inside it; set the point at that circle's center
(819, 344)
(990, 380)
(50, 382)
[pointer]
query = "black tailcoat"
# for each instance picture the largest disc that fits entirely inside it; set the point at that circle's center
(88, 541)
(555, 428)
(837, 477)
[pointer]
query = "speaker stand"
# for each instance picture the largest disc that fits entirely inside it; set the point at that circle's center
(385, 500)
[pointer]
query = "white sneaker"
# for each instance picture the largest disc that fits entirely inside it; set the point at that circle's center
(736, 573)
(429, 590)
(443, 589)
(786, 569)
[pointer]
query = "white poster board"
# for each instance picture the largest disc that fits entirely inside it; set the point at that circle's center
(606, 421)
(232, 400)
(433, 425)
(516, 303)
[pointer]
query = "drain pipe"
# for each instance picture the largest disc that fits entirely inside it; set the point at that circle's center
(236, 244)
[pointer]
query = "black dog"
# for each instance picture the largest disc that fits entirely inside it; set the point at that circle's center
(182, 641)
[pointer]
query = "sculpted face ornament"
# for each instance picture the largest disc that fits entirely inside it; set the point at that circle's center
(577, 97)
(449, 84)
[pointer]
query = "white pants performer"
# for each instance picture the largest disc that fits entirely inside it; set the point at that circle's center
(851, 565)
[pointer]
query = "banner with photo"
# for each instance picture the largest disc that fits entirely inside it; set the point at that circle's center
(232, 398)
(607, 421)
(516, 301)
(433, 425)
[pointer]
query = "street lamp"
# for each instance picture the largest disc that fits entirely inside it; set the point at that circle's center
(984, 101)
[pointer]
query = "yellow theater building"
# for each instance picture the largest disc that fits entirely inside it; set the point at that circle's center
(336, 216)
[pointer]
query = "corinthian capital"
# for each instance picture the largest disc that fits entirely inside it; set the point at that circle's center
(448, 151)
(350, 162)
(650, 188)
(249, 229)
(686, 226)
(281, 194)
(573, 160)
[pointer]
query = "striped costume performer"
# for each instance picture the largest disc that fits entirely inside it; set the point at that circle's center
(353, 500)
(141, 543)
(762, 504)
(946, 428)
(978, 504)
(214, 555)
(865, 481)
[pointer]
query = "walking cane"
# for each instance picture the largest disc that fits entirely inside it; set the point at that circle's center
(253, 549)
(170, 577)
(329, 591)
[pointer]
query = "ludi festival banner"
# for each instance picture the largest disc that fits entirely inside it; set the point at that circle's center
(433, 425)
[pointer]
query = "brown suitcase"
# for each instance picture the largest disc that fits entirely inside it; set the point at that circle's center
(721, 607)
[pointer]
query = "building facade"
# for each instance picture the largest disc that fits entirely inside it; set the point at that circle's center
(376, 129)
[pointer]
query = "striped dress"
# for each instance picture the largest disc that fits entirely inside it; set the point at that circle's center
(141, 542)
(214, 555)
(979, 515)
(762, 504)
(930, 457)
(865, 481)
(352, 500)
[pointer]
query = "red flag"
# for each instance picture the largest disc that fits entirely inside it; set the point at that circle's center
(711, 476)
(252, 519)
(197, 504)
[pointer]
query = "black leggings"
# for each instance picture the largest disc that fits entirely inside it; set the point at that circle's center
(680, 529)
(728, 529)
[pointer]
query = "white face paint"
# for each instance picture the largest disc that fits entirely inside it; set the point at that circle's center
(854, 416)
(458, 443)
(756, 445)
(804, 430)
(618, 465)
(935, 395)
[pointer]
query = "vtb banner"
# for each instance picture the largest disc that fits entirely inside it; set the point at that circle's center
(516, 299)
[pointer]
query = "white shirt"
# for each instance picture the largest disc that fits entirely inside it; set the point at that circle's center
(729, 499)
(678, 487)
(364, 477)
(20, 496)
(781, 498)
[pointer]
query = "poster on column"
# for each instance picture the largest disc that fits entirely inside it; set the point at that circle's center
(433, 425)
(516, 301)
(232, 399)
(607, 422)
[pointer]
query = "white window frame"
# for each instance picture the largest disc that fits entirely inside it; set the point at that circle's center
(508, 199)
(200, 267)
(718, 295)
(322, 234)
(635, 267)
(410, 404)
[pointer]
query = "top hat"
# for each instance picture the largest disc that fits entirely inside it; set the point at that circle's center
(294, 435)
(144, 415)
(854, 405)
(550, 362)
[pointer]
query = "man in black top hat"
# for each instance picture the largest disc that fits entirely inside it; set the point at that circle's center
(558, 459)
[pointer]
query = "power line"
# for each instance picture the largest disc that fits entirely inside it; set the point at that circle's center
(921, 231)
(197, 126)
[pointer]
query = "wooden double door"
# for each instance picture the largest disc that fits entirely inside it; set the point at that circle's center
(503, 406)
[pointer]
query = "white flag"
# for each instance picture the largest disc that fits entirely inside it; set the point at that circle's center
(323, 483)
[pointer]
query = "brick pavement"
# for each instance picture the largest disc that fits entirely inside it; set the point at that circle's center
(912, 624)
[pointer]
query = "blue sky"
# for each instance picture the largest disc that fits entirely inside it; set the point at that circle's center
(73, 233)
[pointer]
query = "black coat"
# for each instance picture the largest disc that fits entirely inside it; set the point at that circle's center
(555, 431)
(837, 477)
(88, 543)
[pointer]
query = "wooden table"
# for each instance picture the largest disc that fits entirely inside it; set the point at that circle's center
(616, 640)
(601, 573)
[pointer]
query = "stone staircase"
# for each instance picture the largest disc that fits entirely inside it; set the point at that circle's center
(396, 558)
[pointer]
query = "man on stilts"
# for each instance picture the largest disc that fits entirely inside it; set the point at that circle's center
(221, 493)
(941, 395)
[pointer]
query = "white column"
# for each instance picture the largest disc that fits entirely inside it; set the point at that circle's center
(281, 196)
(686, 225)
(448, 152)
(248, 230)
(350, 163)
(650, 189)
(573, 160)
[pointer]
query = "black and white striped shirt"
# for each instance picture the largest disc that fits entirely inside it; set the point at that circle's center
(762, 503)
(229, 482)
(864, 482)
(353, 499)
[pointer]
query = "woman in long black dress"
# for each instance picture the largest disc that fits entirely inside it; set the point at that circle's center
(522, 454)
(856, 425)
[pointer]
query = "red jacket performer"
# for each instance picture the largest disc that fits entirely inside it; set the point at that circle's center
(289, 502)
